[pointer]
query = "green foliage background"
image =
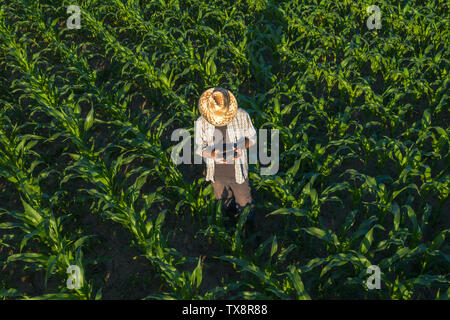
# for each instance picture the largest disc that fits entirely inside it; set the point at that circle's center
(86, 117)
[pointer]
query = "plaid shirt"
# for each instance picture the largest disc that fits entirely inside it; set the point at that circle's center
(238, 129)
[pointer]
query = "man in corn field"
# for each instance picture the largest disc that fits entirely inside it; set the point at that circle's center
(223, 132)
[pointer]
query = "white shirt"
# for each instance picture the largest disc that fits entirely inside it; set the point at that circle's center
(238, 129)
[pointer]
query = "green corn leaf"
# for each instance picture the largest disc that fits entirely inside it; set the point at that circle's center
(327, 236)
(313, 263)
(283, 254)
(89, 121)
(412, 216)
(10, 225)
(427, 280)
(400, 254)
(27, 237)
(364, 227)
(298, 284)
(336, 261)
(262, 246)
(51, 262)
(196, 276)
(249, 267)
(34, 216)
(38, 258)
(10, 293)
(349, 221)
(56, 296)
(160, 219)
(80, 241)
(98, 295)
(397, 215)
(284, 211)
(439, 240)
(368, 239)
(274, 247)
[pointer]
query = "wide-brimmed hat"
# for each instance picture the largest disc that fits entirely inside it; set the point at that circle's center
(218, 106)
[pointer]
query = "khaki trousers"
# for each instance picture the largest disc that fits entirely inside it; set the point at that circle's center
(233, 194)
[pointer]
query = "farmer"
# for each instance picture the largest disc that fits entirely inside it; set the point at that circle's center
(223, 132)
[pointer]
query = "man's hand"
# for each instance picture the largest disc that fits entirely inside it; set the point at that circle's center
(237, 153)
(217, 158)
(221, 159)
(212, 155)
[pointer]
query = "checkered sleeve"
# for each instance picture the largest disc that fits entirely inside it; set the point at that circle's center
(249, 129)
(199, 137)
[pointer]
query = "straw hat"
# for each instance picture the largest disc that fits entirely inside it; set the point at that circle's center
(218, 106)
